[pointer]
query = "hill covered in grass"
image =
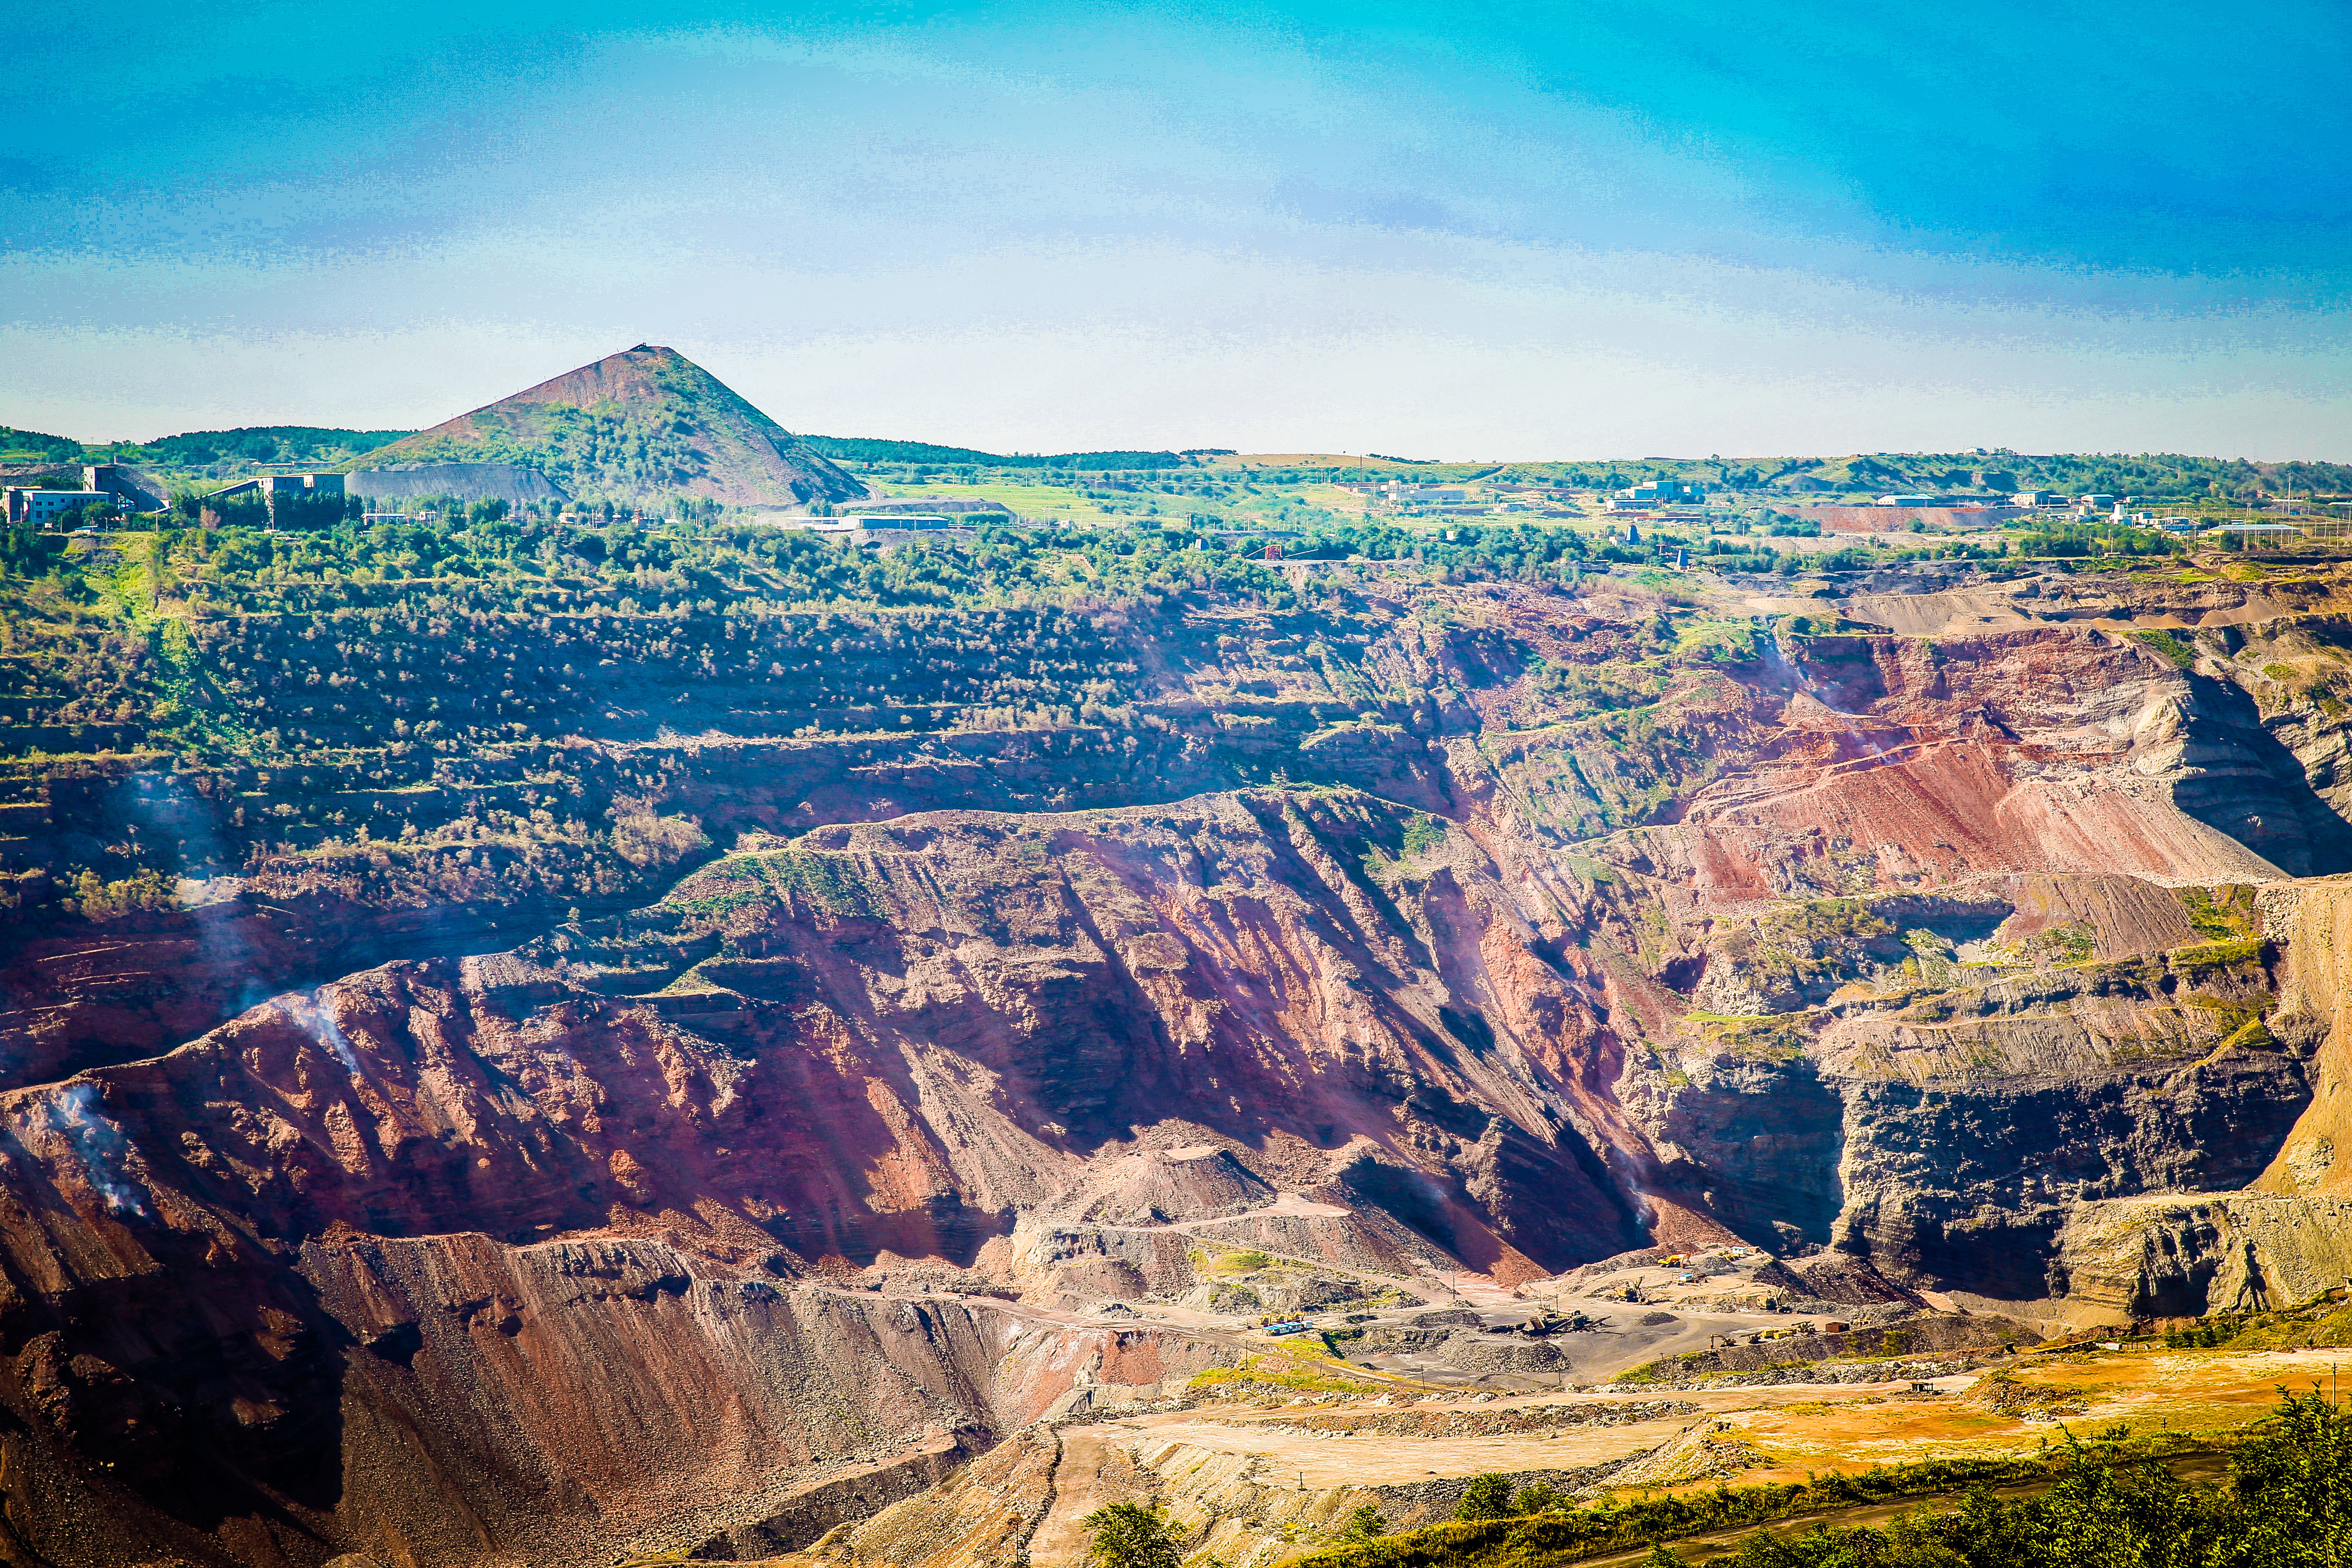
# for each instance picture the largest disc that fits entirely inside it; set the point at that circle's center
(640, 427)
(2147, 475)
(265, 444)
(871, 449)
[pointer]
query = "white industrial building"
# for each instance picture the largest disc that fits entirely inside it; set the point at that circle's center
(42, 509)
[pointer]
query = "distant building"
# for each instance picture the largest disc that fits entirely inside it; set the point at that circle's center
(136, 491)
(1664, 491)
(926, 506)
(2029, 499)
(1904, 500)
(279, 490)
(42, 509)
(2094, 501)
(307, 486)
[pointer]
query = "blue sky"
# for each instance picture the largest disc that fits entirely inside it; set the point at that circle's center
(1598, 229)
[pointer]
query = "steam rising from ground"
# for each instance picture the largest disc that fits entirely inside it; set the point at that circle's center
(72, 1114)
(308, 1014)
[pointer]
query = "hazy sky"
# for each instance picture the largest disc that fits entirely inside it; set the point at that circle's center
(1568, 229)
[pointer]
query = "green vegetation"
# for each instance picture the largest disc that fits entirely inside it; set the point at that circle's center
(1129, 1535)
(2322, 1323)
(467, 632)
(830, 881)
(1487, 1496)
(2110, 1501)
(2167, 646)
(1301, 1363)
(201, 448)
(2061, 945)
(262, 444)
(2074, 539)
(867, 450)
(673, 430)
(1605, 686)
(718, 889)
(1719, 642)
(2179, 477)
(1540, 1499)
(1260, 1374)
(2288, 1501)
(1767, 1036)
(1801, 953)
(1242, 1261)
(2203, 962)
(346, 693)
(1422, 834)
(391, 708)
(1554, 1535)
(32, 446)
(2225, 914)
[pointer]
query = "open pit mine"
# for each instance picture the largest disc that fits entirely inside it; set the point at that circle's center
(755, 1100)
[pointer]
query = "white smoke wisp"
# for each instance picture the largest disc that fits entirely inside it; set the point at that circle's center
(162, 806)
(97, 1141)
(308, 1013)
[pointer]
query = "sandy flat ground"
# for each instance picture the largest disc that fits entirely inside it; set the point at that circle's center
(1802, 1426)
(1331, 1460)
(1265, 1475)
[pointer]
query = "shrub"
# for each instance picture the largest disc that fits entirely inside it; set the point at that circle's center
(1127, 1535)
(2288, 1502)
(1487, 1496)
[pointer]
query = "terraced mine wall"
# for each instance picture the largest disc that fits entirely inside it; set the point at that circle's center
(400, 1119)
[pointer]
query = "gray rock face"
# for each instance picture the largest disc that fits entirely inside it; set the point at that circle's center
(510, 482)
(2167, 1257)
(1943, 1120)
(1970, 1188)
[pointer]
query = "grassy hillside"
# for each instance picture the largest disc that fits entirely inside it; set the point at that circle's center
(265, 444)
(32, 446)
(635, 427)
(870, 449)
(2147, 475)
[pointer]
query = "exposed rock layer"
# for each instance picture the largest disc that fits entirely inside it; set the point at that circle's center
(526, 1226)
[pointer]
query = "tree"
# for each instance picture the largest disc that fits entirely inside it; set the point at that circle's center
(1364, 1525)
(1487, 1496)
(1536, 1499)
(2290, 1487)
(1127, 1535)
